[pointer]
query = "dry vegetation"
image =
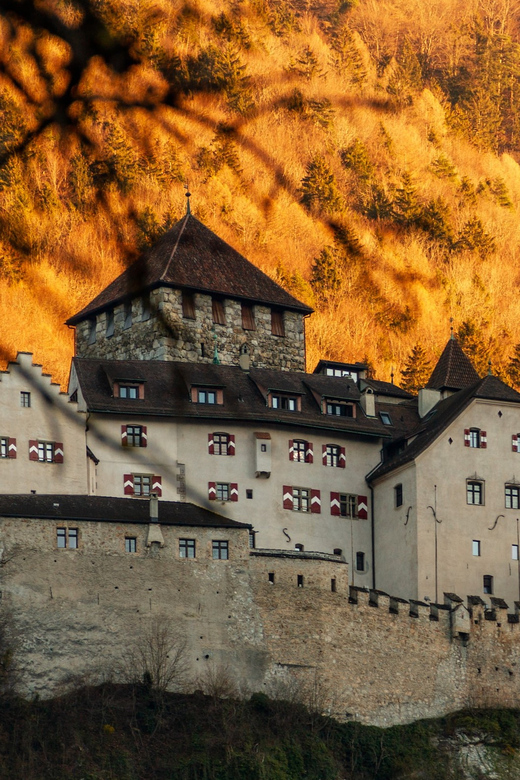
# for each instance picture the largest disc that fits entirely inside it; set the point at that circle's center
(366, 163)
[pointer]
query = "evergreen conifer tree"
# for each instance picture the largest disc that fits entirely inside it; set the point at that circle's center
(416, 371)
(319, 189)
(513, 367)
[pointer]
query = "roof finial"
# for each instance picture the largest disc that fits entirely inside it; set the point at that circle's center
(490, 373)
(188, 195)
(451, 329)
(216, 359)
(392, 375)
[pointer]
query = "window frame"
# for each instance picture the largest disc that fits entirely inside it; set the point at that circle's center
(472, 492)
(476, 548)
(4, 447)
(186, 548)
(25, 399)
(332, 455)
(487, 584)
(129, 392)
(301, 498)
(69, 537)
(46, 451)
(220, 549)
(221, 444)
(388, 420)
(140, 485)
(512, 496)
(398, 495)
(299, 450)
(360, 557)
(348, 505)
(222, 491)
(337, 408)
(474, 438)
(514, 552)
(131, 544)
(284, 402)
(134, 439)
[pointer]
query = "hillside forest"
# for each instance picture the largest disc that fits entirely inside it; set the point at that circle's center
(363, 153)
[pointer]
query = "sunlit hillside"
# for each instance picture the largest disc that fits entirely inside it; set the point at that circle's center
(362, 154)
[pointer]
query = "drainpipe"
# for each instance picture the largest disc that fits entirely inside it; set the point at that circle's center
(372, 529)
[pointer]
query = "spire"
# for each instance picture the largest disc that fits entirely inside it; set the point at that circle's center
(454, 369)
(188, 196)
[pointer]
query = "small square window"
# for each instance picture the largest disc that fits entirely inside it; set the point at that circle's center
(67, 537)
(206, 396)
(129, 391)
(476, 547)
(299, 580)
(263, 448)
(130, 544)
(186, 548)
(249, 493)
(134, 435)
(301, 500)
(25, 399)
(398, 495)
(385, 418)
(220, 550)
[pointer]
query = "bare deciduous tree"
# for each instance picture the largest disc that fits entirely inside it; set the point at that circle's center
(158, 658)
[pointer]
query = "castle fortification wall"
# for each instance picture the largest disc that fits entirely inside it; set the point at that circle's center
(366, 656)
(164, 334)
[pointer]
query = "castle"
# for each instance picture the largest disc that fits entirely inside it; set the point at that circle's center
(194, 470)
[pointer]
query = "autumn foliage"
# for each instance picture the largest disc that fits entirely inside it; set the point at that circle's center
(366, 163)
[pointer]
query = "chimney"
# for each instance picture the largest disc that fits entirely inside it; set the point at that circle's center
(427, 400)
(368, 402)
(154, 508)
(244, 361)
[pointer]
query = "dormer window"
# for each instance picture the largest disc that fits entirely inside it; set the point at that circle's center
(339, 408)
(129, 390)
(288, 403)
(207, 395)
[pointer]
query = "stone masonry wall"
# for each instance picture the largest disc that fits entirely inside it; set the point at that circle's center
(371, 658)
(167, 335)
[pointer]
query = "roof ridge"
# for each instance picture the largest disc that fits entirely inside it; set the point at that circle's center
(181, 231)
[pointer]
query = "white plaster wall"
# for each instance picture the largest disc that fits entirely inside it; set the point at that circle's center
(171, 443)
(50, 417)
(395, 532)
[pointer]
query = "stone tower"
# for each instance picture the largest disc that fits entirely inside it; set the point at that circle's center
(194, 298)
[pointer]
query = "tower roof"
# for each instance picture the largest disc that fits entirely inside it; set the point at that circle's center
(454, 369)
(191, 256)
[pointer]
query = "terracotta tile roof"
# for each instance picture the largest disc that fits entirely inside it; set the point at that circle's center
(112, 510)
(454, 369)
(191, 256)
(167, 394)
(437, 420)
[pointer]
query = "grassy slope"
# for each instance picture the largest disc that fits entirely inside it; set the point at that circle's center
(127, 733)
(73, 214)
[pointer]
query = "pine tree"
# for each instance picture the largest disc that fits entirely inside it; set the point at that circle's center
(406, 203)
(416, 371)
(319, 189)
(325, 276)
(473, 344)
(513, 367)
